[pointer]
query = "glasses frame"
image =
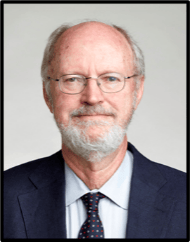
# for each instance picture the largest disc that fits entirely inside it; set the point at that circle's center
(86, 78)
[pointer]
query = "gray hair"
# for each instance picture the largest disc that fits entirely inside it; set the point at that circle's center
(49, 54)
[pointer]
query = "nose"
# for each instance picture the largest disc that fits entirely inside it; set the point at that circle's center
(92, 94)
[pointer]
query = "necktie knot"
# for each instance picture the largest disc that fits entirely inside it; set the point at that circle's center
(91, 201)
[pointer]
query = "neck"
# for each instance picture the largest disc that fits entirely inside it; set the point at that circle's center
(95, 175)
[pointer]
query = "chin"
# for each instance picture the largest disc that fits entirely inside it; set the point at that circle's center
(94, 142)
(95, 132)
(93, 129)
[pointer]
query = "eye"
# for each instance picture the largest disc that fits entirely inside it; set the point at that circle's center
(112, 79)
(73, 79)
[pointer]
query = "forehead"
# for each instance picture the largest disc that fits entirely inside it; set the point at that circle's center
(96, 42)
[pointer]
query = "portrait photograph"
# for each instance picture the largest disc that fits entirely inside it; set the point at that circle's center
(95, 100)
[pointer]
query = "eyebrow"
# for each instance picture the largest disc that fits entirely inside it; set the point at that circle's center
(75, 73)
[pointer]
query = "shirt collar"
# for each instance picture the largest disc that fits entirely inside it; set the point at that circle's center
(117, 188)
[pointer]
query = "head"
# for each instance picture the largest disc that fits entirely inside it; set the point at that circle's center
(93, 124)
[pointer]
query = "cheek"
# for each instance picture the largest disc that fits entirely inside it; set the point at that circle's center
(122, 102)
(63, 106)
(123, 105)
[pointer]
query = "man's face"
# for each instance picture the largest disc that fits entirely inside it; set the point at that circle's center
(91, 50)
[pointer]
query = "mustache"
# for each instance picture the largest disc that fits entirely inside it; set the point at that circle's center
(92, 110)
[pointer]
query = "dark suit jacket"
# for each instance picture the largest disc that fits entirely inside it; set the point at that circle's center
(34, 200)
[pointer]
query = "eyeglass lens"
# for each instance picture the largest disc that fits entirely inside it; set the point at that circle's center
(73, 84)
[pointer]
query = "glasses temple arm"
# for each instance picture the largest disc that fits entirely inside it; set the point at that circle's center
(52, 79)
(130, 76)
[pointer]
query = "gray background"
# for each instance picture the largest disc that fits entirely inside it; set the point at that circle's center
(158, 128)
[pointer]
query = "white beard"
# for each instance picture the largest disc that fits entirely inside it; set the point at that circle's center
(78, 141)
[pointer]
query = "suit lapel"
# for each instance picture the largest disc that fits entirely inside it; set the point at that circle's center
(43, 208)
(149, 209)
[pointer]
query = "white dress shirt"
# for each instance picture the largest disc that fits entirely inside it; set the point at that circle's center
(113, 209)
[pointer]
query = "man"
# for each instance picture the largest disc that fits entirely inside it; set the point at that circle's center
(98, 185)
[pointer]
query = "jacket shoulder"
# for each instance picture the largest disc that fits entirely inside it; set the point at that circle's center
(16, 178)
(175, 180)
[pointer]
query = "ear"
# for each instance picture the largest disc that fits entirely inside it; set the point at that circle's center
(47, 99)
(140, 91)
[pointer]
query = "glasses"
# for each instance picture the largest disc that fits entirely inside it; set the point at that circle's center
(75, 84)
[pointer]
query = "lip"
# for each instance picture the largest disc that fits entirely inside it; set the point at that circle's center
(89, 115)
(93, 116)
